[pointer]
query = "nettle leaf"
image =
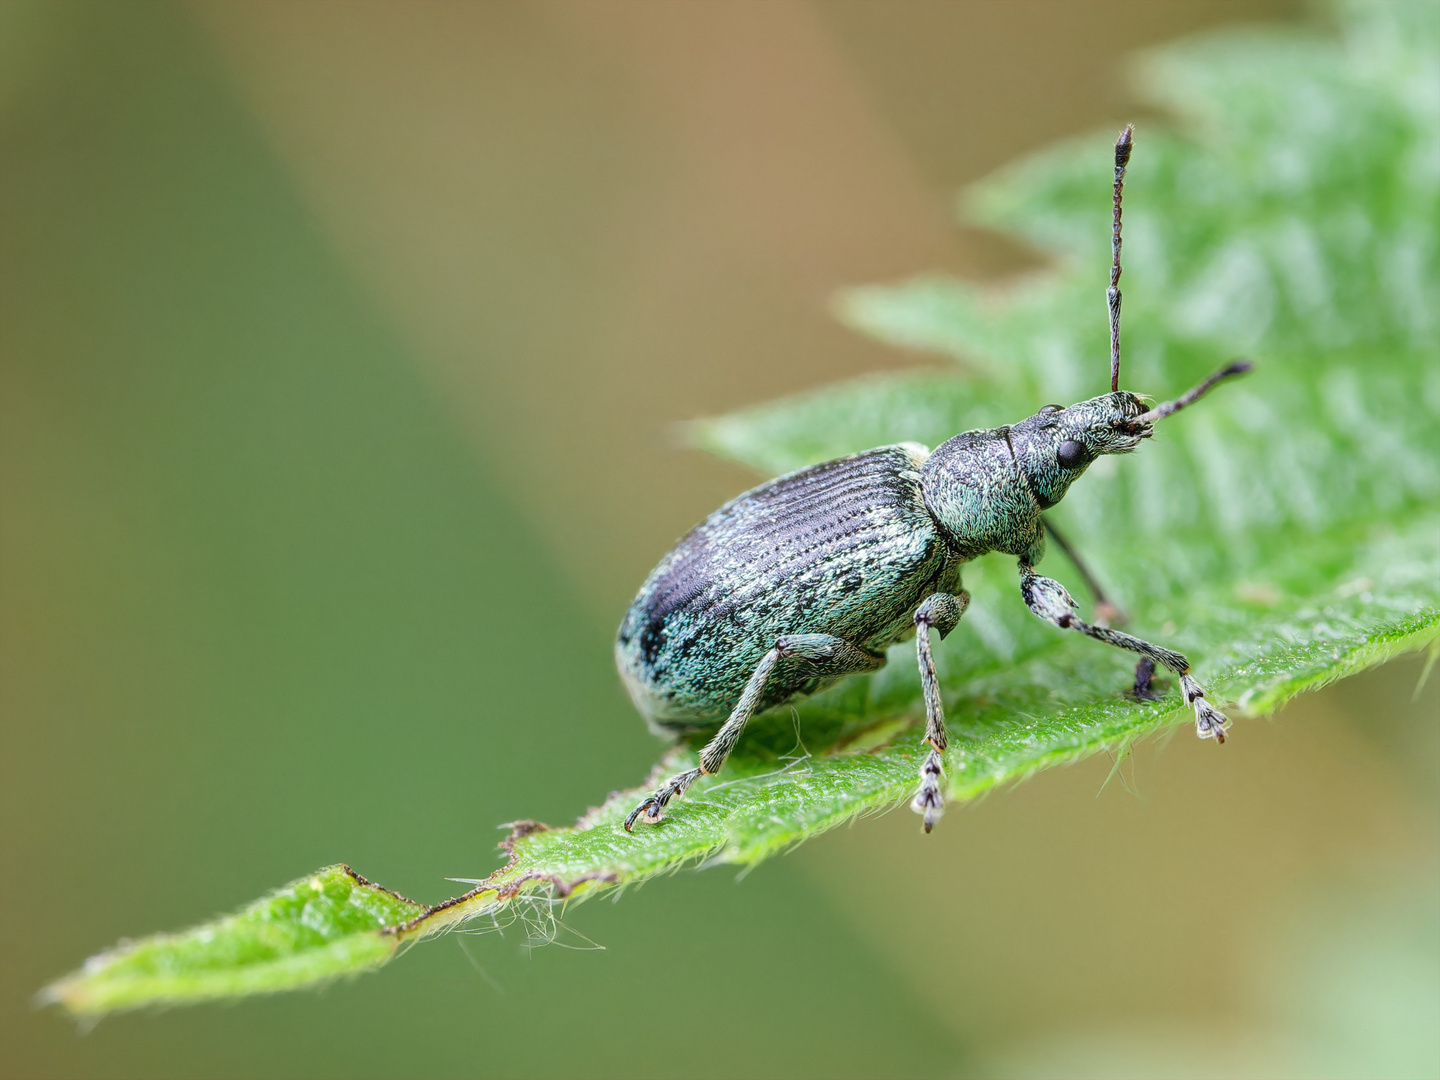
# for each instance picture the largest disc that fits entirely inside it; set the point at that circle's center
(311, 930)
(1285, 533)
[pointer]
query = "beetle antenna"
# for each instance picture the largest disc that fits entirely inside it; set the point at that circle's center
(1194, 394)
(1122, 159)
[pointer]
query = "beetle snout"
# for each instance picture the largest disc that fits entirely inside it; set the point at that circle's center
(1135, 428)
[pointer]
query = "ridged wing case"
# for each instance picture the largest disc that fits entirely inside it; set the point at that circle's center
(845, 548)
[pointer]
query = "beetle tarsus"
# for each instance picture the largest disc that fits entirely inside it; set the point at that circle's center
(653, 808)
(930, 799)
(1210, 722)
(647, 808)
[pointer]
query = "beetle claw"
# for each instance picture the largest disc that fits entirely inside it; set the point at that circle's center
(652, 810)
(930, 800)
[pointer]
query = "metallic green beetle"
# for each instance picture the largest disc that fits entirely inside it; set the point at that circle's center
(804, 580)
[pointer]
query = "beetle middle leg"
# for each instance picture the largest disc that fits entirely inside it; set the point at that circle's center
(940, 612)
(1048, 599)
(832, 658)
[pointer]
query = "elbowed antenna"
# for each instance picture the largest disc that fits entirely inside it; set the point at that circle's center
(1122, 159)
(1235, 367)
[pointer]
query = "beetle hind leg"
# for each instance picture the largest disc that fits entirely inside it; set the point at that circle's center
(940, 612)
(832, 656)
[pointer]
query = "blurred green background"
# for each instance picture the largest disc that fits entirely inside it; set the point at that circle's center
(341, 346)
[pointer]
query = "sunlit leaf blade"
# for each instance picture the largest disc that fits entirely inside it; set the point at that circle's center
(1284, 533)
(307, 932)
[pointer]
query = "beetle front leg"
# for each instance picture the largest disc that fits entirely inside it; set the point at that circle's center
(835, 656)
(940, 612)
(1048, 599)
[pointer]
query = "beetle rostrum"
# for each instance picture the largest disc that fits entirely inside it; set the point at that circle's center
(809, 578)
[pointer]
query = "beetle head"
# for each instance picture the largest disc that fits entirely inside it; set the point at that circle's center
(1057, 444)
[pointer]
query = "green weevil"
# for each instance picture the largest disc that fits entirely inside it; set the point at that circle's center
(806, 579)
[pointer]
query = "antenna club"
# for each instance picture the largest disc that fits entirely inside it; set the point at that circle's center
(1123, 146)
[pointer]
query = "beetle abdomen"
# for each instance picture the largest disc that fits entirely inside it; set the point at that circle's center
(845, 548)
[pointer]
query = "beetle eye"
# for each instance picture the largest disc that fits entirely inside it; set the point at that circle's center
(1070, 453)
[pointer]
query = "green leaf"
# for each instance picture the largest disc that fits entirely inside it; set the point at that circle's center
(311, 930)
(1285, 533)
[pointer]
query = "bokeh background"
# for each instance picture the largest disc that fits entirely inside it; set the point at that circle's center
(342, 346)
